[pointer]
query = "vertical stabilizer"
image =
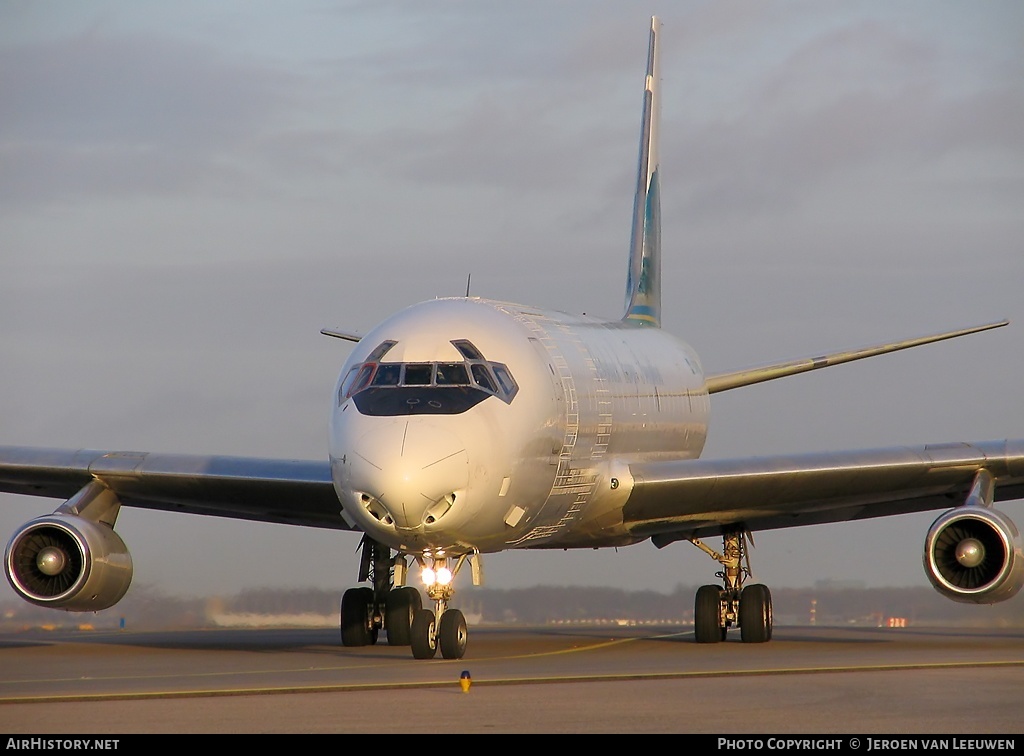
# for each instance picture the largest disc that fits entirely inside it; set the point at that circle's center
(643, 285)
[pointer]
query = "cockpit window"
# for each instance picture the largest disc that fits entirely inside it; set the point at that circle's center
(452, 374)
(505, 379)
(358, 377)
(437, 388)
(483, 379)
(388, 374)
(418, 375)
(346, 384)
(381, 349)
(362, 377)
(467, 349)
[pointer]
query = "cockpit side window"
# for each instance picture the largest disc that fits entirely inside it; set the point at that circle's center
(362, 378)
(380, 350)
(508, 384)
(485, 372)
(483, 378)
(467, 349)
(346, 385)
(359, 377)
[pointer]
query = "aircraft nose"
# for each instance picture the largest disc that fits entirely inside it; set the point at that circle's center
(409, 473)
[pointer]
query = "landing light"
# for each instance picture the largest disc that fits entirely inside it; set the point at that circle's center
(440, 576)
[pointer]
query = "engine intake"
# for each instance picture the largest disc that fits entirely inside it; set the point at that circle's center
(973, 554)
(67, 562)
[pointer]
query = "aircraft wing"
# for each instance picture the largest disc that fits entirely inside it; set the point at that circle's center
(674, 500)
(761, 373)
(292, 492)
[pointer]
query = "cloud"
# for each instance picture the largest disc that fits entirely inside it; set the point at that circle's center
(105, 114)
(848, 102)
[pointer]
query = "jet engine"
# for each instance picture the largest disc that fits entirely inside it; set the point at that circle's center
(973, 554)
(66, 562)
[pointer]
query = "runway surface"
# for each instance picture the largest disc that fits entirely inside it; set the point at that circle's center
(573, 680)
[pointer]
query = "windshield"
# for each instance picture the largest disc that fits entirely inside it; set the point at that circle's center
(406, 388)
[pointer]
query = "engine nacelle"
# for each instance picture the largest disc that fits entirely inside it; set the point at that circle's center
(67, 562)
(973, 554)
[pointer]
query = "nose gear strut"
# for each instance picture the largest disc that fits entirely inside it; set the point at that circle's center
(442, 627)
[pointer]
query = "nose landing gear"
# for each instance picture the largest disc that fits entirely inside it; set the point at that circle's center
(442, 627)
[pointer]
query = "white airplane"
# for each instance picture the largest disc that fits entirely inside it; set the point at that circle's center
(466, 426)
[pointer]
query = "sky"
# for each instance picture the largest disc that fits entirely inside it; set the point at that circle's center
(191, 190)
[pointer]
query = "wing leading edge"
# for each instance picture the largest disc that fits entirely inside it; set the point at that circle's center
(750, 376)
(672, 501)
(292, 492)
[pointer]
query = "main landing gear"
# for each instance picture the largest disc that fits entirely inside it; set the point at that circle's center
(366, 611)
(398, 609)
(717, 608)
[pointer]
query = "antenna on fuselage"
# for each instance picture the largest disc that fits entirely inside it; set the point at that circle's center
(468, 279)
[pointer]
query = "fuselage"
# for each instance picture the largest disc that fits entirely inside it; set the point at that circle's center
(470, 425)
